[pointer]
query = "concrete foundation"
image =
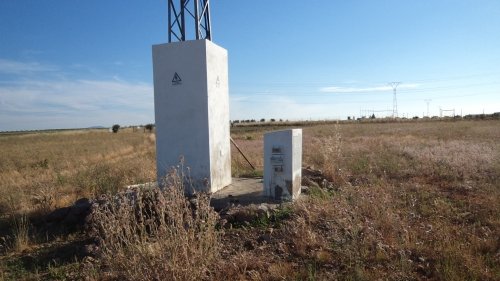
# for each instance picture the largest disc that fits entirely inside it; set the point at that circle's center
(283, 164)
(192, 113)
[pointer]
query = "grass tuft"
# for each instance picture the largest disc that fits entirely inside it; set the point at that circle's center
(21, 238)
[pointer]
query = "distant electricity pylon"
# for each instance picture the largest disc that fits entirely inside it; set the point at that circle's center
(394, 86)
(446, 110)
(197, 12)
(428, 101)
(370, 112)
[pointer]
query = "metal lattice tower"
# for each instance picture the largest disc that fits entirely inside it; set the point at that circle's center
(186, 12)
(394, 86)
(446, 110)
(427, 102)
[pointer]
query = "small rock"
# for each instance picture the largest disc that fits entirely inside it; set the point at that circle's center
(264, 238)
(304, 189)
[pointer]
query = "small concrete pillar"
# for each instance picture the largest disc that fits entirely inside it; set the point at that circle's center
(283, 164)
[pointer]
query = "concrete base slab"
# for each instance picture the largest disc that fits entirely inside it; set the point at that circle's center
(242, 191)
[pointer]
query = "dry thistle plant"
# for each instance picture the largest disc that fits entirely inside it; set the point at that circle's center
(43, 199)
(155, 234)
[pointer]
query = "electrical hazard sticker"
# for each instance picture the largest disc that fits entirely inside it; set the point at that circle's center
(176, 80)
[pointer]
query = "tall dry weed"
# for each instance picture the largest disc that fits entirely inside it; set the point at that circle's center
(43, 199)
(157, 234)
(20, 229)
(329, 155)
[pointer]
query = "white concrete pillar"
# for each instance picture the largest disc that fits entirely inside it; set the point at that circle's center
(192, 112)
(283, 164)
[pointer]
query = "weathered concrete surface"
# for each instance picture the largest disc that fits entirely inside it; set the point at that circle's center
(242, 191)
(283, 164)
(192, 112)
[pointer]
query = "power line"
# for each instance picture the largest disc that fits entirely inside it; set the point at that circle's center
(353, 94)
(249, 99)
(371, 112)
(320, 83)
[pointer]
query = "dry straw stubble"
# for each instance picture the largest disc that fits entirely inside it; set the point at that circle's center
(154, 234)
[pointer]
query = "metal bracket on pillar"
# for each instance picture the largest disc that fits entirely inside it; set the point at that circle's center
(182, 12)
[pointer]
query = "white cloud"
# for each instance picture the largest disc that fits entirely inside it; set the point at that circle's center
(78, 94)
(16, 67)
(54, 101)
(380, 88)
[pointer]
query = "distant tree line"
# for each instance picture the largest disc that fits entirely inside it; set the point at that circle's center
(495, 115)
(148, 127)
(262, 120)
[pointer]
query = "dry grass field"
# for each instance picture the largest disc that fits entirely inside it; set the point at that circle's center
(396, 201)
(46, 170)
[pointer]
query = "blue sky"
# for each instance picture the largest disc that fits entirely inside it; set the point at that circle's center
(67, 64)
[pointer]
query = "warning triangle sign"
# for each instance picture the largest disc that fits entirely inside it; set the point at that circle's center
(176, 80)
